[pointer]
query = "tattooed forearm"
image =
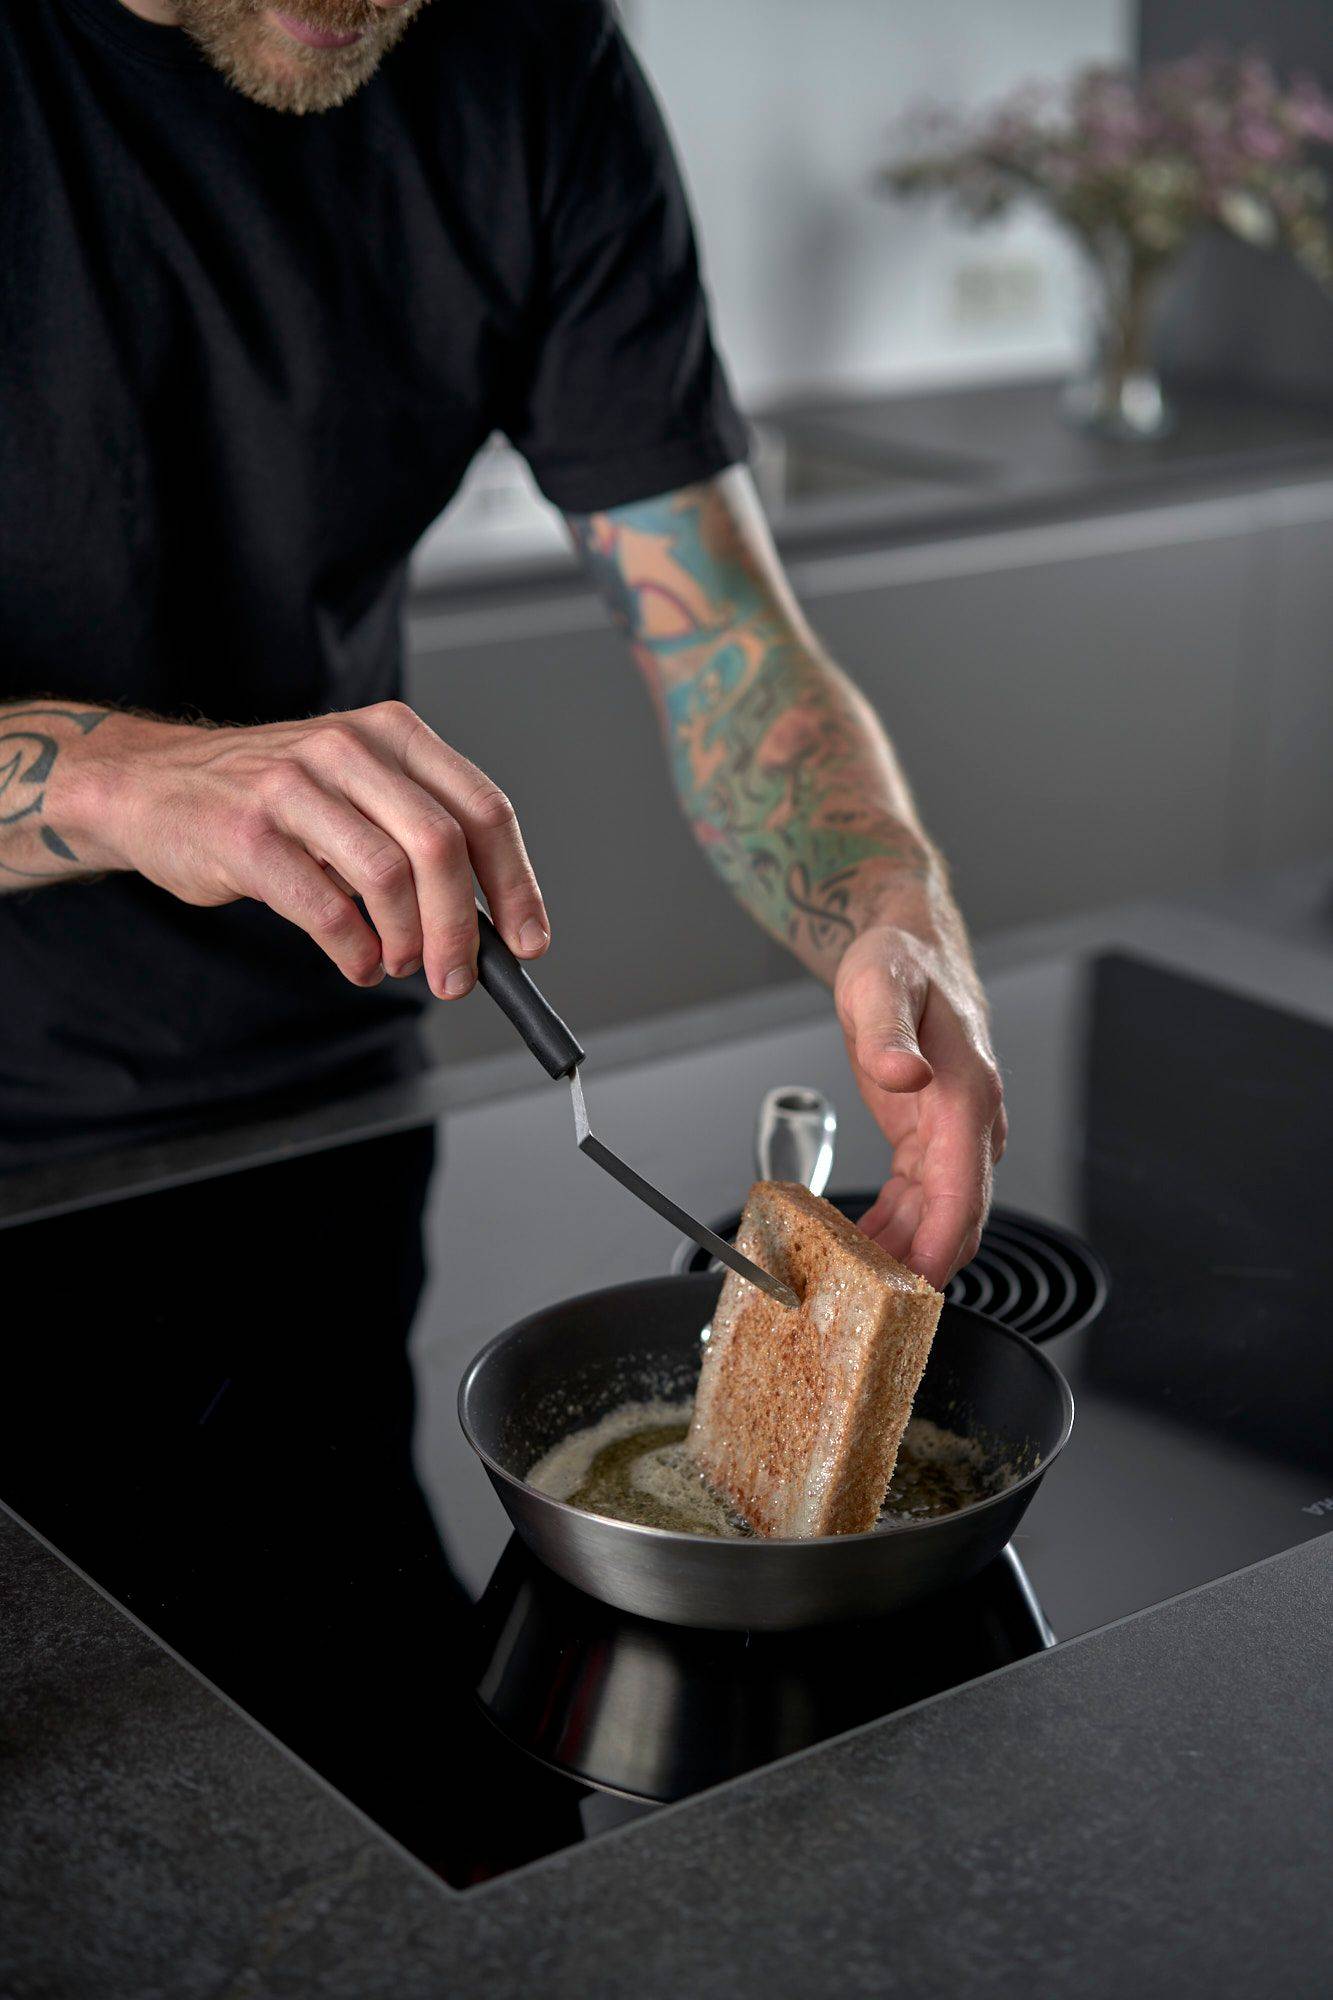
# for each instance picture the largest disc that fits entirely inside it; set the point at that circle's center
(33, 736)
(785, 774)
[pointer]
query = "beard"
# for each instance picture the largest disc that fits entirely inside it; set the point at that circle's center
(240, 38)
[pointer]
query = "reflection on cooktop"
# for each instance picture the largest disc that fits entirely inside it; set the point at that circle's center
(207, 1403)
(657, 1712)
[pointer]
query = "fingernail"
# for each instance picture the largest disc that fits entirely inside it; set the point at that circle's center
(458, 983)
(532, 936)
(406, 971)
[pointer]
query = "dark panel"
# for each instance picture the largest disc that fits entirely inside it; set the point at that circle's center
(1235, 315)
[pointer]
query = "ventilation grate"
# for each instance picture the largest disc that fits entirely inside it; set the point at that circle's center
(1034, 1276)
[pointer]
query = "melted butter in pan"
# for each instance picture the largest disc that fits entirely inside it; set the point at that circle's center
(633, 1466)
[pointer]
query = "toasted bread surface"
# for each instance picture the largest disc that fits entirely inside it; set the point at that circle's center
(799, 1414)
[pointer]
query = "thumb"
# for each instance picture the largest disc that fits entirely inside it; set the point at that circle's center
(887, 1049)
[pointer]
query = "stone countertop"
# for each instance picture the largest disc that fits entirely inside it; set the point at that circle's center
(1012, 438)
(1142, 1807)
(1145, 1803)
(957, 462)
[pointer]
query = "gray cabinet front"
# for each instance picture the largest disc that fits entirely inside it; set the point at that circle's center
(1091, 712)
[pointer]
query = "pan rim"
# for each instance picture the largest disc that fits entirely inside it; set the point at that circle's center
(698, 1280)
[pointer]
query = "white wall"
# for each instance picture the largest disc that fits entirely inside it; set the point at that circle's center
(782, 108)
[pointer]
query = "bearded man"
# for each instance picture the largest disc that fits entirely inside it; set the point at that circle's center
(272, 276)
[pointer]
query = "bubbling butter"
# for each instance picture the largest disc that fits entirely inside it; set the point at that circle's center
(633, 1466)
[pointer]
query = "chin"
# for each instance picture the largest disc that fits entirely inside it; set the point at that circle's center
(270, 69)
(301, 88)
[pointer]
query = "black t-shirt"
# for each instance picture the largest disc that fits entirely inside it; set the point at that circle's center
(245, 358)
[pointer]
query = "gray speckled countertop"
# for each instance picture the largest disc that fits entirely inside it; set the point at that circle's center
(1141, 1809)
(1144, 1809)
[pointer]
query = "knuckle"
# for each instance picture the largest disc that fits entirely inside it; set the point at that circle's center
(387, 869)
(335, 742)
(346, 940)
(252, 832)
(334, 918)
(455, 943)
(277, 781)
(441, 844)
(393, 714)
(489, 808)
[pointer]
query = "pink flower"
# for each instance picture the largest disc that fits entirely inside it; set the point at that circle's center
(1260, 141)
(1310, 112)
(1139, 161)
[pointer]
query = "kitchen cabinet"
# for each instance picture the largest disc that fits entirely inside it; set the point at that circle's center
(559, 718)
(1090, 710)
(1066, 721)
(1282, 806)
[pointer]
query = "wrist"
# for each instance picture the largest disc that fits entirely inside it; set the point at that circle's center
(99, 787)
(917, 911)
(908, 891)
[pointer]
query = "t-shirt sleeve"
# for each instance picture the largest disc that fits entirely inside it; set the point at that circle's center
(623, 395)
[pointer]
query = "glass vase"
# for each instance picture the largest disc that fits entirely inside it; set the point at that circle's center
(1119, 395)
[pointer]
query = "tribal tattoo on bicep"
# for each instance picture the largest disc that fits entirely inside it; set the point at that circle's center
(31, 738)
(783, 772)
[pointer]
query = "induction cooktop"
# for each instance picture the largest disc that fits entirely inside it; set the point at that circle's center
(209, 1405)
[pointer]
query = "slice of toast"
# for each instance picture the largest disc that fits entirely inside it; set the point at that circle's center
(799, 1414)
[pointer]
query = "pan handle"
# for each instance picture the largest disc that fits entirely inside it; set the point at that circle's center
(795, 1137)
(517, 994)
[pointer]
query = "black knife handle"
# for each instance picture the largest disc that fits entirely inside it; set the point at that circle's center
(516, 994)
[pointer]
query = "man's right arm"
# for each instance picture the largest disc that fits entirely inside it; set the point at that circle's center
(305, 816)
(34, 738)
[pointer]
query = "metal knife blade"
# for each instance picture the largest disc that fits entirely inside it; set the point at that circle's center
(699, 1232)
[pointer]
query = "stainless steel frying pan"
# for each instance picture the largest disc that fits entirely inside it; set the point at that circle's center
(572, 1363)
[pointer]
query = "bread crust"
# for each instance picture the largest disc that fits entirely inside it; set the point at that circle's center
(799, 1414)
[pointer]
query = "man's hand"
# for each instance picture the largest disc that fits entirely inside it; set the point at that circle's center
(915, 1025)
(307, 816)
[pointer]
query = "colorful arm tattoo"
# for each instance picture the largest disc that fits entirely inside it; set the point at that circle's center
(31, 738)
(784, 773)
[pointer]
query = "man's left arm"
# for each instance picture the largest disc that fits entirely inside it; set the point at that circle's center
(793, 791)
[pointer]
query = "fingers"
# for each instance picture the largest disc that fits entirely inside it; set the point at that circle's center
(284, 875)
(999, 1136)
(494, 841)
(893, 1218)
(439, 819)
(955, 1171)
(435, 848)
(930, 1213)
(363, 859)
(947, 1236)
(880, 1005)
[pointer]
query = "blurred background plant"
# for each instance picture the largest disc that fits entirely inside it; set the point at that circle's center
(1134, 165)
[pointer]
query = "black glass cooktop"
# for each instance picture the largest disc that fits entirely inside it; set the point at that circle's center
(208, 1404)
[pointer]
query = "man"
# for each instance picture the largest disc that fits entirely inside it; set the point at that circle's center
(247, 355)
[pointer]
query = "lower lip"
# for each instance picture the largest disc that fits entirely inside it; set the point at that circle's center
(314, 38)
